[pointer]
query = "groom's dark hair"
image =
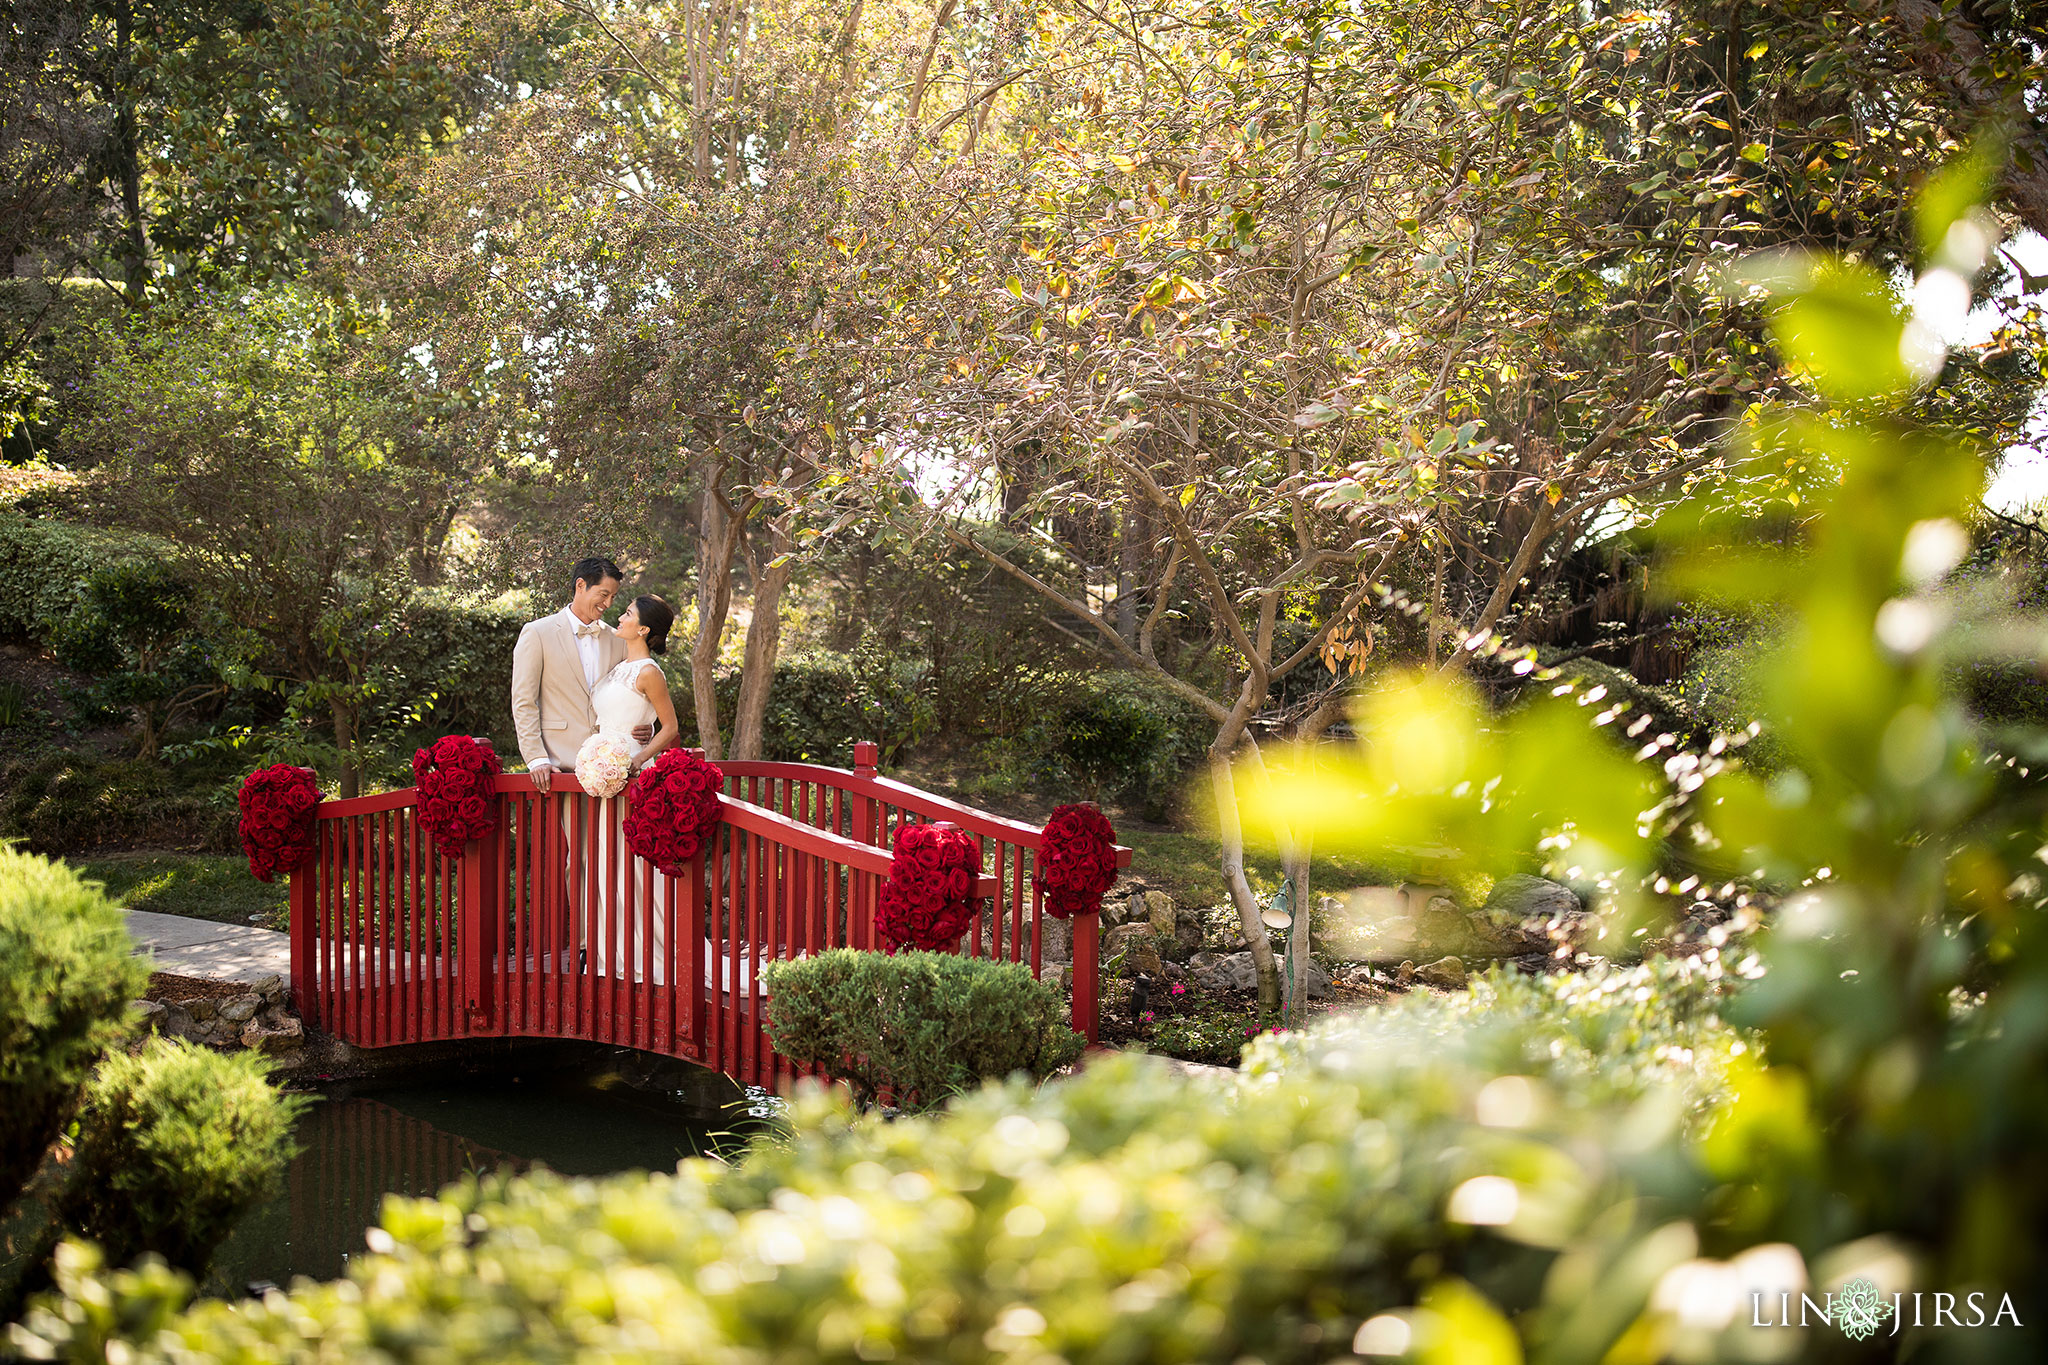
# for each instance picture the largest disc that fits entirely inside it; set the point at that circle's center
(593, 571)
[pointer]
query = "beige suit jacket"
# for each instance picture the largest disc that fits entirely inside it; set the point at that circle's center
(550, 698)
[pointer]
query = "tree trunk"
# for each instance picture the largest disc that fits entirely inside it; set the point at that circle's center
(1295, 866)
(135, 250)
(716, 542)
(764, 643)
(1230, 825)
(345, 741)
(1127, 575)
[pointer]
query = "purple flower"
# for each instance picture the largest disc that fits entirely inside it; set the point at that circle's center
(1179, 989)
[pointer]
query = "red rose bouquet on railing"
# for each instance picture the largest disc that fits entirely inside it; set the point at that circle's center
(1076, 861)
(929, 897)
(674, 805)
(458, 790)
(276, 824)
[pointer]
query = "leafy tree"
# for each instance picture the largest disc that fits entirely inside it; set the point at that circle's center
(1291, 326)
(256, 432)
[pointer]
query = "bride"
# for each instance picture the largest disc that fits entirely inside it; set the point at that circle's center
(632, 695)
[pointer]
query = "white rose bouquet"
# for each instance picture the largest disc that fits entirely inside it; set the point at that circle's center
(603, 764)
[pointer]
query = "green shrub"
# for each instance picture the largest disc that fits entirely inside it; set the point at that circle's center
(62, 802)
(177, 1143)
(1131, 737)
(66, 977)
(43, 563)
(459, 649)
(1125, 1214)
(923, 1026)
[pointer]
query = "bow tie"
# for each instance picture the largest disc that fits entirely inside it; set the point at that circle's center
(594, 628)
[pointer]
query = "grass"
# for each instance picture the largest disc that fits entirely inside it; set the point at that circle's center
(196, 885)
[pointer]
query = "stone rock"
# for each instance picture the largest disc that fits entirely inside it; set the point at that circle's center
(1522, 897)
(1187, 940)
(149, 1014)
(202, 1008)
(1442, 927)
(1161, 914)
(286, 1034)
(177, 1022)
(1319, 984)
(1059, 938)
(271, 988)
(1446, 973)
(1232, 973)
(1136, 943)
(1489, 938)
(239, 1009)
(1406, 975)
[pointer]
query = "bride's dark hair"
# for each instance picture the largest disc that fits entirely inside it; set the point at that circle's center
(657, 616)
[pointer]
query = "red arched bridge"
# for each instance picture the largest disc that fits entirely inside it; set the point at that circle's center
(548, 927)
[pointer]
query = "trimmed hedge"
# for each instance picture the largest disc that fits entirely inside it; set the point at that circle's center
(920, 1026)
(178, 1143)
(67, 974)
(43, 564)
(1128, 1214)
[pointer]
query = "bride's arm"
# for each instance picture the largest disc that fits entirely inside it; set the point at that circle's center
(653, 685)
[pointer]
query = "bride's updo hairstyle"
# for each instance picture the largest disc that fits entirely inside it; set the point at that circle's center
(657, 616)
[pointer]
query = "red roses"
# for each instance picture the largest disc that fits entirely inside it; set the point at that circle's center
(929, 897)
(1076, 861)
(277, 818)
(458, 791)
(675, 804)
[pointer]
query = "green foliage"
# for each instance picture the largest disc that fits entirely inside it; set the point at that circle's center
(177, 1143)
(1131, 736)
(131, 630)
(454, 652)
(1126, 1214)
(821, 702)
(60, 802)
(44, 565)
(920, 1026)
(66, 977)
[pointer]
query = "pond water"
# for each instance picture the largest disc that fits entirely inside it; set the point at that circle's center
(578, 1110)
(411, 1137)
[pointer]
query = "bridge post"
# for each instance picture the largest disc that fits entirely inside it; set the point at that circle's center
(1087, 967)
(480, 917)
(865, 755)
(302, 880)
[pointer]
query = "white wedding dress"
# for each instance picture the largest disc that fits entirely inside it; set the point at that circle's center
(621, 708)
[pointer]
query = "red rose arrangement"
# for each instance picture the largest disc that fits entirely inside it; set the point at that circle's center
(929, 897)
(1076, 861)
(458, 793)
(675, 804)
(277, 818)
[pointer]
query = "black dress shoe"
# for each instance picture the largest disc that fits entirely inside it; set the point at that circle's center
(582, 959)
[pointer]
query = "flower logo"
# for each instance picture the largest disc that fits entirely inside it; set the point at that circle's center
(1859, 1309)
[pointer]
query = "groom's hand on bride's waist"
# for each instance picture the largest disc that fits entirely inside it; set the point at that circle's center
(642, 734)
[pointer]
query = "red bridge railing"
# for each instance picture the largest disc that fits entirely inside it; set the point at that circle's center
(549, 927)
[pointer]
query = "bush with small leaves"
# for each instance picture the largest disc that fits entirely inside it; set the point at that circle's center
(921, 1026)
(177, 1143)
(1129, 1213)
(66, 976)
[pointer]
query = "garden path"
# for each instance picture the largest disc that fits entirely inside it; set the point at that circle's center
(209, 951)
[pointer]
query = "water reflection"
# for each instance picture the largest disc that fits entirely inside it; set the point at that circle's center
(360, 1144)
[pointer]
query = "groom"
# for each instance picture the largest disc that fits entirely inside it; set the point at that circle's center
(556, 663)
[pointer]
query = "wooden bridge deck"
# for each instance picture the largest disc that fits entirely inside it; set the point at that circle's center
(549, 928)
